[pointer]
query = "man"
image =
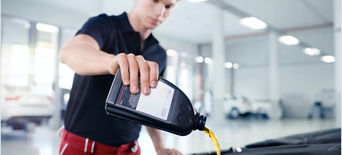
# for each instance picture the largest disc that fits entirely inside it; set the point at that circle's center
(102, 46)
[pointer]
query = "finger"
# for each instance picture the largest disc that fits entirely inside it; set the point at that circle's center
(144, 74)
(173, 152)
(176, 152)
(154, 73)
(122, 60)
(167, 152)
(133, 73)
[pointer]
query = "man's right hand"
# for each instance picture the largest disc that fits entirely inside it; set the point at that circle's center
(131, 66)
(84, 56)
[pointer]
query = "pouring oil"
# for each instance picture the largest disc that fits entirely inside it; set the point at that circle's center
(166, 107)
(213, 138)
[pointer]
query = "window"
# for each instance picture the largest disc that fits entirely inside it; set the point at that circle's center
(15, 59)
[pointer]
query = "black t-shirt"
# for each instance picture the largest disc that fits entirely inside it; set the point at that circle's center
(85, 114)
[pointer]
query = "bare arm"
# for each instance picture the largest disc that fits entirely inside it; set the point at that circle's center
(83, 55)
(156, 137)
(158, 143)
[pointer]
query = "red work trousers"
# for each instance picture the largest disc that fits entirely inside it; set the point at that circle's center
(73, 144)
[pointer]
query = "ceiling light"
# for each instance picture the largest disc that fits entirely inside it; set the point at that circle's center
(253, 23)
(197, 1)
(235, 66)
(288, 40)
(208, 60)
(312, 51)
(199, 59)
(46, 28)
(171, 52)
(228, 65)
(328, 59)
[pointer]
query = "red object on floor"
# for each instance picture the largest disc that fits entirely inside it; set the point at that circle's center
(73, 144)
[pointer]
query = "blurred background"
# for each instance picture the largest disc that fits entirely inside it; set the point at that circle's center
(259, 69)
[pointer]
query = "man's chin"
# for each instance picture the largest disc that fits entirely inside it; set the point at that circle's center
(152, 27)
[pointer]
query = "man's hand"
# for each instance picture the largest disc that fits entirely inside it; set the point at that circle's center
(131, 66)
(167, 151)
(84, 56)
(157, 139)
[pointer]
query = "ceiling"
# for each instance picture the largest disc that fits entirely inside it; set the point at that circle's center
(193, 21)
(284, 14)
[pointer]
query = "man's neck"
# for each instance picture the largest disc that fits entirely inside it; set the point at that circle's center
(138, 26)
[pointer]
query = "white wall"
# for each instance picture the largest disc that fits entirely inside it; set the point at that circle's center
(252, 83)
(308, 79)
(299, 74)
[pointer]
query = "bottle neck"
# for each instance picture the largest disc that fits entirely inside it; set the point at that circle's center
(200, 121)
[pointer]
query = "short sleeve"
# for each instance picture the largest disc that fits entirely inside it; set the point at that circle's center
(100, 28)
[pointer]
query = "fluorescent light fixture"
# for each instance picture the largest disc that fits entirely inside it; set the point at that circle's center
(288, 40)
(253, 23)
(236, 66)
(46, 28)
(172, 53)
(328, 59)
(208, 60)
(196, 1)
(228, 65)
(312, 51)
(199, 59)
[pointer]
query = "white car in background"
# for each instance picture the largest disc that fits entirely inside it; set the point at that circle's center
(243, 107)
(262, 108)
(234, 108)
(25, 110)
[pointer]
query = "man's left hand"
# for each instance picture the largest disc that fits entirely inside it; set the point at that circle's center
(167, 151)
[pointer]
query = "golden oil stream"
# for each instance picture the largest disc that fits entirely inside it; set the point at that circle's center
(213, 138)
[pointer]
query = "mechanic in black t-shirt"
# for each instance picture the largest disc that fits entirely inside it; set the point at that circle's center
(102, 46)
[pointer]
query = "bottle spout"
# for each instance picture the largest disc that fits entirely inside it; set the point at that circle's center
(200, 121)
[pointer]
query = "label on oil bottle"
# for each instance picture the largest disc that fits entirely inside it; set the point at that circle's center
(157, 103)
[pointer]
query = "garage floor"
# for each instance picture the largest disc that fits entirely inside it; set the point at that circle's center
(234, 133)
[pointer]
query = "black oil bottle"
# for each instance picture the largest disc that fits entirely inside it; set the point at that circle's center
(166, 107)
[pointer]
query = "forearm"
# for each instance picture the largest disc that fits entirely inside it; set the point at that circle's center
(157, 139)
(85, 59)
